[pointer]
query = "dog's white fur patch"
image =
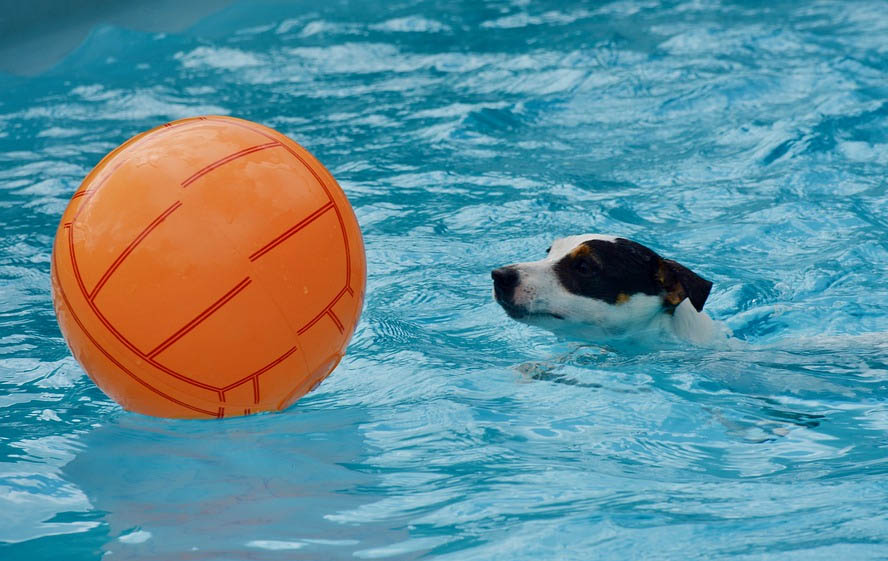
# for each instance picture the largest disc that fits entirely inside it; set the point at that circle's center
(563, 246)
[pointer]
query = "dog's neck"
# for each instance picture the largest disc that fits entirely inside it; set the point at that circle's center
(688, 324)
(651, 329)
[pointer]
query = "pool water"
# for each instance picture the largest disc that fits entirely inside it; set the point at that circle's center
(747, 140)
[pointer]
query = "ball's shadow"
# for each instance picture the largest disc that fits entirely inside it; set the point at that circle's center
(258, 487)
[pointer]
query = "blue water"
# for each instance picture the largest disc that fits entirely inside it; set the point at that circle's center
(748, 140)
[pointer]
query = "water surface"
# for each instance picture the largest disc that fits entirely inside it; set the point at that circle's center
(746, 140)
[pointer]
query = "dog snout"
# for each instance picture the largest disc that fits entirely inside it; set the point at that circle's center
(505, 279)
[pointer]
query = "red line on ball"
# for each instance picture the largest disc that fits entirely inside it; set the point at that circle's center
(87, 194)
(126, 342)
(197, 175)
(117, 334)
(200, 318)
(129, 249)
(128, 145)
(302, 224)
(111, 358)
(263, 370)
(320, 182)
(323, 312)
(338, 212)
(335, 319)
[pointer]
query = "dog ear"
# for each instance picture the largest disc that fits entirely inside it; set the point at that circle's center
(679, 282)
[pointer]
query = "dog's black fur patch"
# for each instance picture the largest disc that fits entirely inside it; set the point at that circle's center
(605, 270)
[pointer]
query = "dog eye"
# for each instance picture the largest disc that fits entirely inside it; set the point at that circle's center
(548, 250)
(582, 267)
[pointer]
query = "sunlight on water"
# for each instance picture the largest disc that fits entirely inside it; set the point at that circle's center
(746, 140)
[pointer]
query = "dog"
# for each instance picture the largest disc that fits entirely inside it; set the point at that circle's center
(607, 289)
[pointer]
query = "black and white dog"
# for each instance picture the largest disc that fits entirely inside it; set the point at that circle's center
(604, 289)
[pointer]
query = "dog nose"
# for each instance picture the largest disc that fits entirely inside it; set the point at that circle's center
(505, 279)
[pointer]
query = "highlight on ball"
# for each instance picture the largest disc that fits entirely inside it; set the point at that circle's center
(207, 268)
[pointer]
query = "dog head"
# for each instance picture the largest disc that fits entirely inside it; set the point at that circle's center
(611, 284)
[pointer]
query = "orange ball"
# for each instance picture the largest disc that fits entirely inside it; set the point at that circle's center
(210, 267)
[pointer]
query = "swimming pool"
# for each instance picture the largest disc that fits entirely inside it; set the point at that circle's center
(745, 139)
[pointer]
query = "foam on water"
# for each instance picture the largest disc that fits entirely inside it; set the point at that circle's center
(746, 140)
